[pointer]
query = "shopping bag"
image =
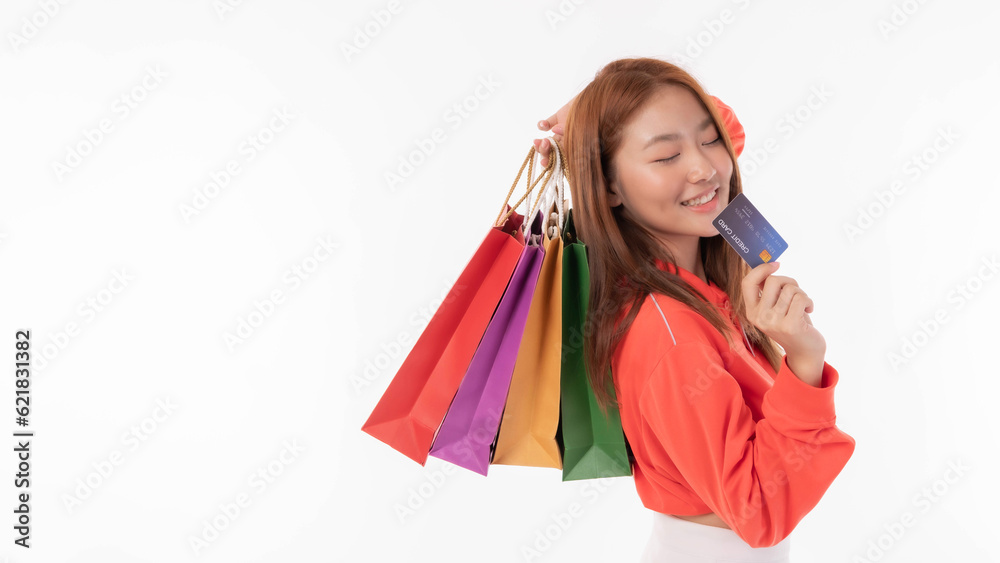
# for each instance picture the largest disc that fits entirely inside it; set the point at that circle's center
(470, 426)
(530, 420)
(411, 409)
(593, 444)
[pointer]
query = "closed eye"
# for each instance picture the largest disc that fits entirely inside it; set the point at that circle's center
(716, 141)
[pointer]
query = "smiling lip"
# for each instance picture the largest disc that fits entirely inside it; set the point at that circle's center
(702, 194)
(708, 207)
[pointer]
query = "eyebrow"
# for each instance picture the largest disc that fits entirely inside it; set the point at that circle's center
(675, 136)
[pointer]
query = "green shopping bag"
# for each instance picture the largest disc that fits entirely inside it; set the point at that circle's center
(594, 444)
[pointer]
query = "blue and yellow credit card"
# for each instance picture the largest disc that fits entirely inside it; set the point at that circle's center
(749, 233)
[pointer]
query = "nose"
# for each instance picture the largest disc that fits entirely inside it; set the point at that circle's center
(701, 168)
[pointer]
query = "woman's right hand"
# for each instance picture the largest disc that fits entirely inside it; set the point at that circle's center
(556, 124)
(779, 308)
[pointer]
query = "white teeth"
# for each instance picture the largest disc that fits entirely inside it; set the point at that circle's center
(700, 200)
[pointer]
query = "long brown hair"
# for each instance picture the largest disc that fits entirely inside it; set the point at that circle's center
(621, 253)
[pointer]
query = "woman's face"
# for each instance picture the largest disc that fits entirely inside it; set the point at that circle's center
(672, 153)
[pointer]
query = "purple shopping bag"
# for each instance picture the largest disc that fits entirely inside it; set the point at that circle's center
(470, 427)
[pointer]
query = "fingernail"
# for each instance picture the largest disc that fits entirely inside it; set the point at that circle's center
(543, 124)
(775, 264)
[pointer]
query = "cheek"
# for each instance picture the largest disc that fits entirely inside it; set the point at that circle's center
(659, 182)
(724, 164)
(638, 184)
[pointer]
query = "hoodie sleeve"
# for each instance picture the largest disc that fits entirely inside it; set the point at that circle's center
(760, 477)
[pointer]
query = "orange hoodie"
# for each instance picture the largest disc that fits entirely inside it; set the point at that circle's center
(717, 430)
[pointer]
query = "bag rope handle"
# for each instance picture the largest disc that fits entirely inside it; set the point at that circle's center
(545, 174)
(557, 195)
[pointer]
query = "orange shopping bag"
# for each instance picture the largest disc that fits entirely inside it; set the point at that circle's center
(531, 417)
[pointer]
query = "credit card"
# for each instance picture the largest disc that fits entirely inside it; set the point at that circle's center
(749, 233)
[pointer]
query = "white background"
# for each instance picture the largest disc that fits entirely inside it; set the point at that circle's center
(105, 351)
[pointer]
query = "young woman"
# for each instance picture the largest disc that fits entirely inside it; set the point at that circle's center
(734, 441)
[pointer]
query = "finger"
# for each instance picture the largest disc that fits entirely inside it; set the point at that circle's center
(553, 120)
(752, 282)
(809, 304)
(557, 130)
(544, 125)
(775, 283)
(781, 305)
(771, 292)
(543, 146)
(786, 298)
(799, 304)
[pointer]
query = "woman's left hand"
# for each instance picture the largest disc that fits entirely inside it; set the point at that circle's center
(556, 124)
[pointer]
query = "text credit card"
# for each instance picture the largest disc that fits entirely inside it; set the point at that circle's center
(749, 233)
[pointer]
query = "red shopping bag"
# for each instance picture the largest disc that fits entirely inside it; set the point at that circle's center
(410, 411)
(470, 427)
